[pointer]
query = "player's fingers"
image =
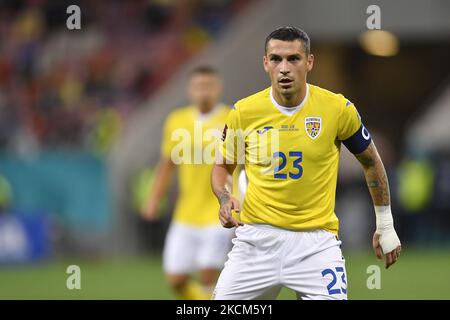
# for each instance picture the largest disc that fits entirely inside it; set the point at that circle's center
(223, 215)
(225, 211)
(378, 252)
(225, 223)
(237, 208)
(233, 222)
(393, 257)
(376, 246)
(399, 249)
(389, 259)
(236, 205)
(222, 220)
(394, 254)
(394, 260)
(238, 223)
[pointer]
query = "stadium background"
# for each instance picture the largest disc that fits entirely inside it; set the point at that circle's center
(81, 113)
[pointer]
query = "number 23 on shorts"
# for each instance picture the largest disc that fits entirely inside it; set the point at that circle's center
(335, 276)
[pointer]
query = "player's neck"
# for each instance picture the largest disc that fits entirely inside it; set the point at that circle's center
(205, 109)
(292, 100)
(204, 114)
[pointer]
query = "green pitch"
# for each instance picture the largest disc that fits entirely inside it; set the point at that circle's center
(420, 274)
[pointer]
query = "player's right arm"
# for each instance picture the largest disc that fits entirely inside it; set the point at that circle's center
(222, 172)
(221, 182)
(163, 177)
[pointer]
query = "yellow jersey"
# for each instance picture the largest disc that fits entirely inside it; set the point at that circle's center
(187, 135)
(291, 156)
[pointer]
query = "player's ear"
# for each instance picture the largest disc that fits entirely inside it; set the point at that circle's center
(310, 62)
(265, 63)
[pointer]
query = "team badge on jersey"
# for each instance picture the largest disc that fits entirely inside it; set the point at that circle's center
(313, 125)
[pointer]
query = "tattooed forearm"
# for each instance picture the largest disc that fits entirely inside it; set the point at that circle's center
(378, 185)
(222, 182)
(373, 184)
(224, 197)
(366, 158)
(376, 177)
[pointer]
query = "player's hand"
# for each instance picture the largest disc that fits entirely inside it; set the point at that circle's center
(228, 203)
(389, 244)
(150, 212)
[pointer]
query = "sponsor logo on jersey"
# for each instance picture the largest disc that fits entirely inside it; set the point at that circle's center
(265, 129)
(313, 125)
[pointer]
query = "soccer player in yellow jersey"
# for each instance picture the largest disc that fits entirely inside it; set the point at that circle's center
(195, 241)
(289, 137)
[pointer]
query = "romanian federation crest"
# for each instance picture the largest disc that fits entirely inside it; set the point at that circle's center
(313, 125)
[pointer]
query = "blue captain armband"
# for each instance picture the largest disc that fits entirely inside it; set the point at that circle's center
(359, 141)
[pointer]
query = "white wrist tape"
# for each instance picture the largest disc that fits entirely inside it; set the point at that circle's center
(385, 221)
(385, 228)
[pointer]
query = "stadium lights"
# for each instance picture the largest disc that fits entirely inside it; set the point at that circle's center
(379, 43)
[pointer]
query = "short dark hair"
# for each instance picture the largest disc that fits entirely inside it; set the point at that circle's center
(204, 69)
(289, 33)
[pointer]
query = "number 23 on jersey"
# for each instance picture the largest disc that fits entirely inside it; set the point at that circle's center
(293, 162)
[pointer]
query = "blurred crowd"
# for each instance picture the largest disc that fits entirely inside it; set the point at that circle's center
(75, 88)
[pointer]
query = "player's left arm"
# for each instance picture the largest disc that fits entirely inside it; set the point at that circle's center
(385, 239)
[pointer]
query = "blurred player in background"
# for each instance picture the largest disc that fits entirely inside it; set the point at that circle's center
(287, 231)
(195, 240)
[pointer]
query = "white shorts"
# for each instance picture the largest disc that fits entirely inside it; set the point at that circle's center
(266, 258)
(190, 248)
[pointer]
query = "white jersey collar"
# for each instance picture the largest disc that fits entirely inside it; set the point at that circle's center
(289, 111)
